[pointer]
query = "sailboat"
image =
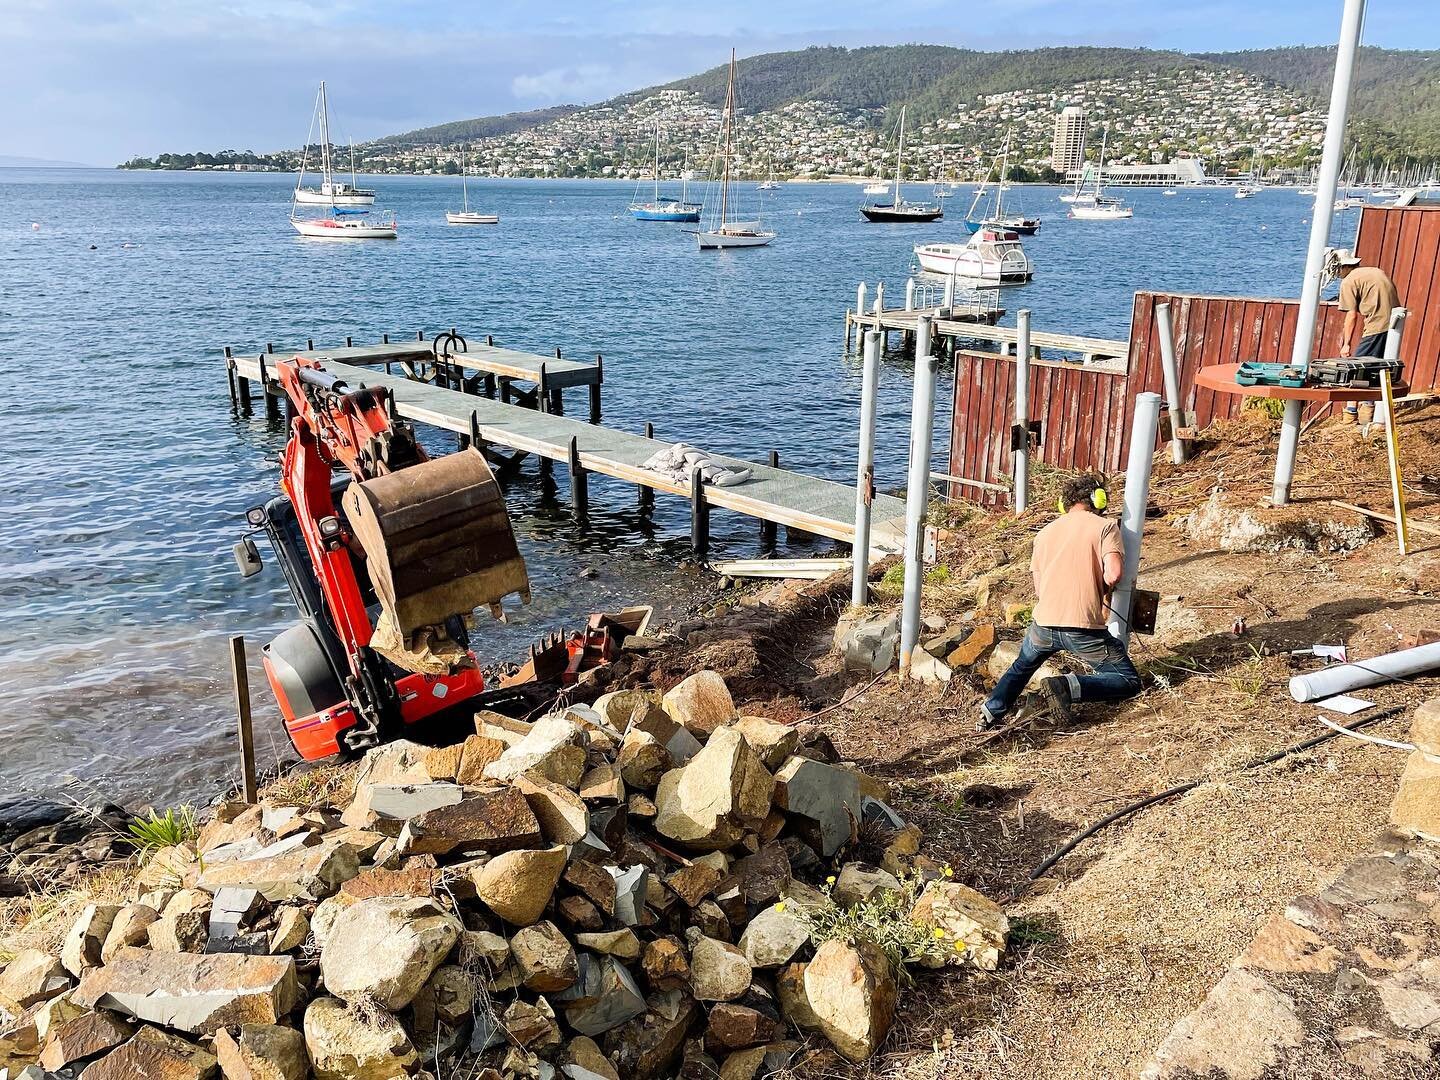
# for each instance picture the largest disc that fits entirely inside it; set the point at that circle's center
(331, 192)
(1018, 223)
(897, 209)
(1250, 187)
(1095, 205)
(770, 183)
(668, 209)
(466, 216)
(1074, 193)
(727, 233)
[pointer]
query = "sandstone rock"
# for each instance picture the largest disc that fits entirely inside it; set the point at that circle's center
(478, 753)
(772, 742)
(1268, 530)
(967, 916)
(647, 1046)
(677, 740)
(443, 762)
(773, 938)
(398, 762)
(30, 978)
(345, 1045)
(1412, 997)
(764, 876)
(322, 919)
(415, 879)
(551, 748)
(860, 881)
(453, 992)
(736, 1027)
(616, 707)
(180, 932)
(643, 759)
(532, 1026)
(615, 1000)
(790, 993)
(168, 868)
(365, 842)
(700, 703)
(490, 820)
(1282, 946)
(49, 1015)
(621, 943)
(1004, 654)
(723, 790)
(545, 960)
(81, 1037)
(153, 1055)
(579, 913)
(385, 949)
(603, 784)
(695, 882)
(308, 873)
(131, 926)
(517, 885)
(869, 646)
(1416, 809)
(851, 991)
(192, 993)
(928, 669)
(262, 1052)
(1238, 1032)
(664, 962)
(86, 940)
(593, 881)
(1425, 727)
(825, 798)
(292, 927)
(973, 647)
(718, 970)
(583, 1051)
(563, 816)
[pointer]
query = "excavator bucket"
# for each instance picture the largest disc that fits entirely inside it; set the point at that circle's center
(437, 540)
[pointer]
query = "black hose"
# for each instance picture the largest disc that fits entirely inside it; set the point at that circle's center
(1180, 789)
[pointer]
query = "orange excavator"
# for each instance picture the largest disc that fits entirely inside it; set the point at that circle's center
(387, 553)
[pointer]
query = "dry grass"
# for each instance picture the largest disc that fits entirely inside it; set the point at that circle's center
(312, 787)
(42, 918)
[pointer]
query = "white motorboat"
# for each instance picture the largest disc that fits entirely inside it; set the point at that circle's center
(990, 257)
(877, 187)
(725, 233)
(466, 216)
(1095, 205)
(1168, 192)
(1247, 191)
(331, 192)
(380, 226)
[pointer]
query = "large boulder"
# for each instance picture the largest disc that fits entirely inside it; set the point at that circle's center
(82, 1037)
(771, 741)
(823, 800)
(545, 960)
(192, 993)
(31, 977)
(287, 870)
(643, 759)
(964, 915)
(86, 940)
(718, 970)
(647, 1047)
(552, 748)
(869, 646)
(851, 990)
(564, 818)
(385, 948)
(710, 802)
(1416, 809)
(396, 763)
(484, 820)
(153, 1053)
(345, 1043)
(262, 1052)
(517, 885)
(773, 937)
(700, 703)
(131, 926)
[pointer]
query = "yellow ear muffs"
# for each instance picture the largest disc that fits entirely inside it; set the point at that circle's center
(1099, 499)
(1060, 504)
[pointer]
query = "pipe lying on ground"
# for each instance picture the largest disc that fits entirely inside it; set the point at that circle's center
(1342, 678)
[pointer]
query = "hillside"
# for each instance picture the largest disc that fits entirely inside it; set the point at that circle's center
(482, 127)
(1398, 91)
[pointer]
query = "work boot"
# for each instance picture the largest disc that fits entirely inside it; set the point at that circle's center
(1056, 695)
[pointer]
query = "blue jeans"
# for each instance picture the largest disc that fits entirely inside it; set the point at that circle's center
(1114, 678)
(1371, 345)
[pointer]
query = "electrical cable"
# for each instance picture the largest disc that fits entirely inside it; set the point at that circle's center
(1180, 789)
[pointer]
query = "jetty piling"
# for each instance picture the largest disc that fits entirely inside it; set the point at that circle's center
(917, 489)
(240, 678)
(865, 472)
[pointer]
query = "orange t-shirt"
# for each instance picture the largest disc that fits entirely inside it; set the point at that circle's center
(1068, 564)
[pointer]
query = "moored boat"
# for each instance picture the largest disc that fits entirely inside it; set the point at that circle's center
(897, 209)
(669, 208)
(1095, 205)
(382, 226)
(466, 216)
(725, 233)
(990, 257)
(331, 192)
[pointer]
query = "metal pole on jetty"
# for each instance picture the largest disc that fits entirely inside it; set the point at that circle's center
(1320, 220)
(1143, 430)
(1171, 371)
(1020, 439)
(917, 489)
(865, 477)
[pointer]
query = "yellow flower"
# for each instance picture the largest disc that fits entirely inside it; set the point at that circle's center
(830, 880)
(959, 946)
(780, 906)
(949, 872)
(939, 933)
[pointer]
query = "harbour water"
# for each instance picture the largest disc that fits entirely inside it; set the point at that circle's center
(127, 477)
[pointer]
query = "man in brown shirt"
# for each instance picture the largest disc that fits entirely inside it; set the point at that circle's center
(1076, 561)
(1366, 292)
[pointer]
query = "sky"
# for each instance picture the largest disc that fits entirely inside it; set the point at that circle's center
(99, 81)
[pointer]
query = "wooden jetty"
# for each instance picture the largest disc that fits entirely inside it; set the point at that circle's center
(948, 332)
(534, 424)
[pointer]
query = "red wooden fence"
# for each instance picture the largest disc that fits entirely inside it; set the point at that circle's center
(1405, 243)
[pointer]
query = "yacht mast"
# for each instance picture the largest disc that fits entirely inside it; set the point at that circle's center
(324, 134)
(657, 159)
(729, 119)
(899, 156)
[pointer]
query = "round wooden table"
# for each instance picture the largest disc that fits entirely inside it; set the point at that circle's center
(1221, 379)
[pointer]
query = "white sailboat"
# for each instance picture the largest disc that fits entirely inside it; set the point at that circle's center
(466, 216)
(331, 192)
(770, 183)
(727, 233)
(1095, 205)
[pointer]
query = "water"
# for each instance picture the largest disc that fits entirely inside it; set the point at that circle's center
(128, 476)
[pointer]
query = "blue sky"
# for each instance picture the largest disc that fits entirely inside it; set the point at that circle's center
(100, 80)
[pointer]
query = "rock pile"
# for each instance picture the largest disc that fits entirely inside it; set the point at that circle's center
(612, 890)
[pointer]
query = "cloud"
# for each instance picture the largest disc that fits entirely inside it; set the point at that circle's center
(583, 83)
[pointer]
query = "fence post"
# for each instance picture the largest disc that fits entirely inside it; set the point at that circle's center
(1143, 430)
(1020, 440)
(865, 475)
(241, 678)
(917, 489)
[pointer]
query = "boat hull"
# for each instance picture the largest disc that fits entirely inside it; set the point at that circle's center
(902, 215)
(1024, 228)
(716, 241)
(461, 217)
(690, 212)
(1100, 213)
(323, 229)
(311, 197)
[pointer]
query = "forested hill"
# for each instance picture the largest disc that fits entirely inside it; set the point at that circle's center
(1395, 89)
(482, 127)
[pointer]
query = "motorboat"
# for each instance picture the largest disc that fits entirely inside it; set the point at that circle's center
(668, 208)
(879, 187)
(331, 192)
(725, 233)
(1247, 191)
(897, 209)
(990, 257)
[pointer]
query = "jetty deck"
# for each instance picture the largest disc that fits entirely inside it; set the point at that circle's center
(1090, 349)
(773, 495)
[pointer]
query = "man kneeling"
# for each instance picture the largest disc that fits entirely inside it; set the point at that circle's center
(1076, 561)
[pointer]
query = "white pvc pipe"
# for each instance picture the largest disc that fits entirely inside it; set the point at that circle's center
(859, 586)
(1393, 337)
(1021, 496)
(1326, 184)
(1143, 429)
(1171, 369)
(910, 294)
(917, 488)
(1342, 678)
